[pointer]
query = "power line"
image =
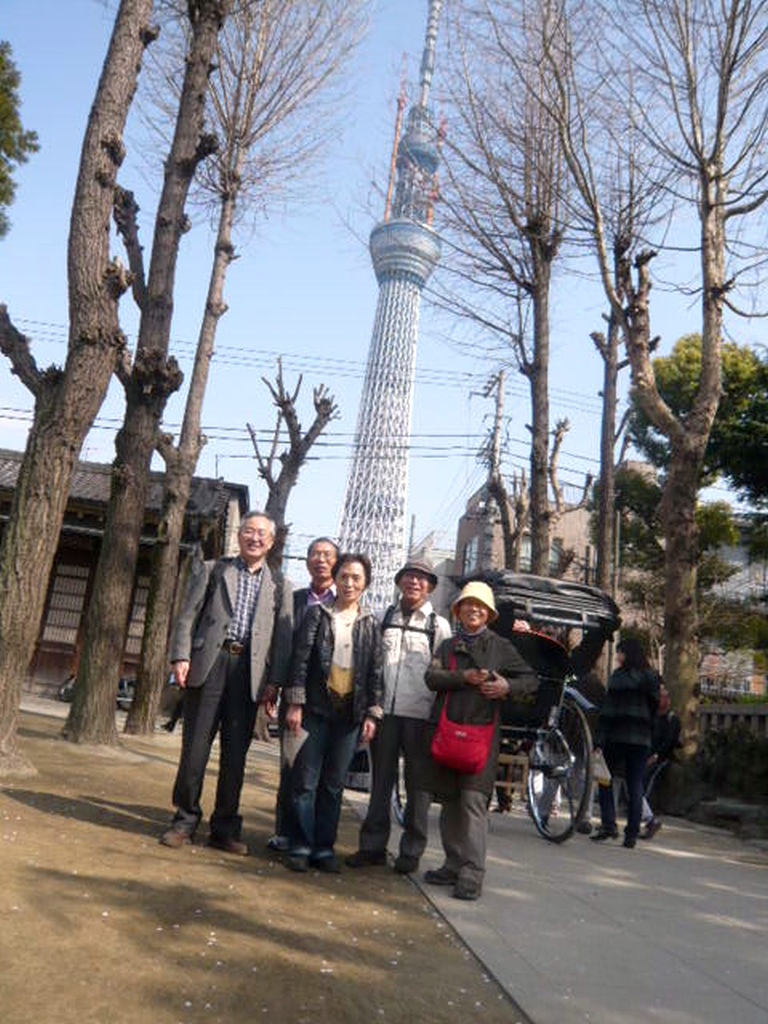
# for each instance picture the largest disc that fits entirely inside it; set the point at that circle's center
(240, 356)
(429, 452)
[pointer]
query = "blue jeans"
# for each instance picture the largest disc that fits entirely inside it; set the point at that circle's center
(633, 757)
(318, 783)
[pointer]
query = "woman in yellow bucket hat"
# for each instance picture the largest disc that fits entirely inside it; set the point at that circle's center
(478, 669)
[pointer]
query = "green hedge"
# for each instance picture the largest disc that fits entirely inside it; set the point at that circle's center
(734, 762)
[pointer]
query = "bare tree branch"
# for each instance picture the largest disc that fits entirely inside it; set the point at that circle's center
(15, 346)
(125, 211)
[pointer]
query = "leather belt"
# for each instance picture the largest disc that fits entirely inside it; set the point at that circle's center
(233, 647)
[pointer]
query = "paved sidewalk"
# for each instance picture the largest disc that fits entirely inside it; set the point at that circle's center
(674, 931)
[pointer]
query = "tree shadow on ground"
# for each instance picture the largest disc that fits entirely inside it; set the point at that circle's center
(337, 957)
(134, 818)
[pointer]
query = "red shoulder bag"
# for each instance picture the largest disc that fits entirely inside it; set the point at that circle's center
(458, 745)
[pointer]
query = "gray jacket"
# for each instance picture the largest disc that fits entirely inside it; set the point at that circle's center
(202, 625)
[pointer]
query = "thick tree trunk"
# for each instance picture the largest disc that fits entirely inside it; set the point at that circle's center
(153, 378)
(153, 668)
(67, 402)
(681, 624)
(180, 467)
(277, 504)
(539, 377)
(680, 611)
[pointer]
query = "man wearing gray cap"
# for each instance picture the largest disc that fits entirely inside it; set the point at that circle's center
(412, 632)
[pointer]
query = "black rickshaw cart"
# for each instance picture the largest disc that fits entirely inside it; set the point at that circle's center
(550, 730)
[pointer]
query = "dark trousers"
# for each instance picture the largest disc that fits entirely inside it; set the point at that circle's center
(464, 832)
(633, 758)
(318, 783)
(222, 704)
(284, 801)
(396, 733)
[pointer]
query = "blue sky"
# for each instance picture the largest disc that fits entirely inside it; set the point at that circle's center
(303, 287)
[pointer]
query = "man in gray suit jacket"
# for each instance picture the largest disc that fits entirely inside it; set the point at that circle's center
(232, 640)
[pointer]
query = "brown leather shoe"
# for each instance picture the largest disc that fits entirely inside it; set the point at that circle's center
(175, 838)
(229, 845)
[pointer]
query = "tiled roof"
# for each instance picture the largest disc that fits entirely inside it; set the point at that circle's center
(90, 483)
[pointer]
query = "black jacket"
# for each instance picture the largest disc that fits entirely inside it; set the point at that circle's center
(629, 708)
(312, 658)
(445, 676)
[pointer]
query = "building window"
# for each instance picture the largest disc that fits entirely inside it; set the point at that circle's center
(555, 556)
(469, 561)
(138, 617)
(65, 607)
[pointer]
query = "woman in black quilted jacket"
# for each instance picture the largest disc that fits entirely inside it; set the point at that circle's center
(624, 735)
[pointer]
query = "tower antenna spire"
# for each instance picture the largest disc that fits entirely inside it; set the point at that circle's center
(428, 57)
(401, 101)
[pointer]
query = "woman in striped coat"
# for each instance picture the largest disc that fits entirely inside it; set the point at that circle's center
(624, 735)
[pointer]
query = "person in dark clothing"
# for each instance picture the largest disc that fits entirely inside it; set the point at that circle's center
(477, 670)
(665, 739)
(335, 697)
(624, 735)
(322, 555)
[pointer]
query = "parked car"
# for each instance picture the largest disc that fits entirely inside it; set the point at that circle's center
(126, 689)
(67, 690)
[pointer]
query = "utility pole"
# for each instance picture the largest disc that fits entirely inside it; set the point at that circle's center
(496, 486)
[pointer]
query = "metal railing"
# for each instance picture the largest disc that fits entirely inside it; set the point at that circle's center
(724, 716)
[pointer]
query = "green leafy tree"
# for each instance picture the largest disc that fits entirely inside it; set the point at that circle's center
(15, 142)
(739, 437)
(642, 555)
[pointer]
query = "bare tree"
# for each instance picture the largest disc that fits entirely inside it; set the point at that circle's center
(514, 506)
(278, 67)
(502, 196)
(147, 384)
(281, 482)
(67, 399)
(699, 101)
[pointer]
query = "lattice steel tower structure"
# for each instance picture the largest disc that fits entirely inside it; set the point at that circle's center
(405, 251)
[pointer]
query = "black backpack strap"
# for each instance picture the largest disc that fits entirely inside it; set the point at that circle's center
(430, 629)
(389, 614)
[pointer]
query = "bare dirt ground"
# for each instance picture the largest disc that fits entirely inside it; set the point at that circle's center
(99, 923)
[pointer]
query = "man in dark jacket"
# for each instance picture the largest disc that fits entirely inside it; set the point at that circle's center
(665, 739)
(232, 638)
(322, 555)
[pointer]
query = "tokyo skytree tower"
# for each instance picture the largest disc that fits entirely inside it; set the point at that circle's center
(405, 251)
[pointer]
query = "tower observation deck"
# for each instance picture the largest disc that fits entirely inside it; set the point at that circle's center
(404, 250)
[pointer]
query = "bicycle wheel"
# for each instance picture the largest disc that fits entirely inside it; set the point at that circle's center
(550, 786)
(575, 729)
